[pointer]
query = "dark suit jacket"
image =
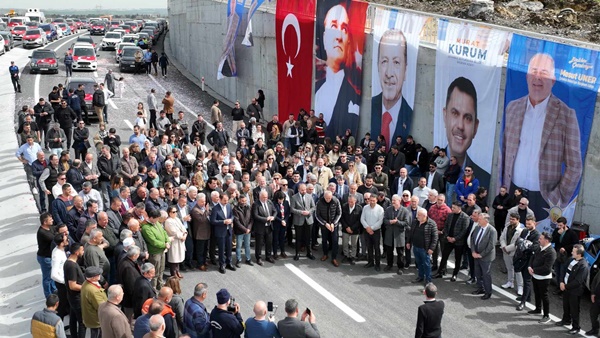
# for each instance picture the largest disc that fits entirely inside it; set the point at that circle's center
(294, 328)
(341, 118)
(402, 126)
(142, 291)
(577, 277)
(286, 212)
(560, 147)
(217, 218)
(129, 272)
(438, 182)
(408, 185)
(429, 319)
(259, 216)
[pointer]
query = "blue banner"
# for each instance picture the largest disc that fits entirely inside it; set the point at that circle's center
(227, 65)
(549, 105)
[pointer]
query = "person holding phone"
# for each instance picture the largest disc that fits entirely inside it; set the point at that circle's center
(260, 325)
(292, 327)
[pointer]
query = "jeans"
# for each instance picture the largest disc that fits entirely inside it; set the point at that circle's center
(163, 71)
(423, 262)
(450, 193)
(331, 241)
(243, 239)
(224, 244)
(201, 249)
(69, 69)
(105, 191)
(279, 238)
(47, 283)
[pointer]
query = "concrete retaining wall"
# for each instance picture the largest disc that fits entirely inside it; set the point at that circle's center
(197, 29)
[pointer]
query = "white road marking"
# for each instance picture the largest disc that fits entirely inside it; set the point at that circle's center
(96, 75)
(333, 299)
(129, 124)
(112, 104)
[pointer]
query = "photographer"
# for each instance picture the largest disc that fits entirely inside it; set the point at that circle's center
(260, 326)
(291, 327)
(225, 318)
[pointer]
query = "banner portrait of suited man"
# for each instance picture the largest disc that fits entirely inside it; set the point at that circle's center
(338, 64)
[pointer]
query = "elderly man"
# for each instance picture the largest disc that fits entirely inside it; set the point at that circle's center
(94, 253)
(372, 220)
(263, 215)
(454, 235)
(423, 240)
(92, 295)
(522, 209)
(196, 320)
(113, 321)
(260, 325)
(143, 288)
(158, 242)
(328, 214)
(129, 272)
(303, 207)
(396, 220)
(483, 247)
(544, 158)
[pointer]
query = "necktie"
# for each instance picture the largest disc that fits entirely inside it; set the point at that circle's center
(303, 203)
(479, 235)
(386, 119)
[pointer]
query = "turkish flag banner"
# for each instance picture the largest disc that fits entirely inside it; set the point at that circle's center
(294, 28)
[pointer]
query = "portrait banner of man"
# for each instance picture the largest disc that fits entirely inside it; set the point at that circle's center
(396, 38)
(339, 39)
(468, 70)
(549, 102)
(294, 35)
(227, 66)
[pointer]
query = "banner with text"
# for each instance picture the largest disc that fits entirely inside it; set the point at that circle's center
(549, 102)
(340, 37)
(248, 40)
(468, 69)
(395, 51)
(227, 66)
(294, 33)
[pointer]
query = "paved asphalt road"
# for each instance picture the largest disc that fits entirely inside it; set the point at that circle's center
(348, 301)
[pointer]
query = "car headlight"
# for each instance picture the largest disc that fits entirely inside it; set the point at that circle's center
(33, 64)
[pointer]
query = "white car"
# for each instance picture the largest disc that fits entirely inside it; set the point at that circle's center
(34, 37)
(84, 57)
(110, 41)
(119, 49)
(59, 32)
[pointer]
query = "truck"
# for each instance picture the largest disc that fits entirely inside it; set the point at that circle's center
(35, 15)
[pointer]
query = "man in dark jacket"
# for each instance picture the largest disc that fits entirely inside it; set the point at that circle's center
(129, 272)
(328, 214)
(423, 239)
(242, 226)
(224, 323)
(43, 112)
(573, 286)
(219, 137)
(595, 308)
(143, 289)
(98, 102)
(451, 176)
(281, 221)
(65, 117)
(540, 268)
(429, 315)
(108, 165)
(454, 238)
(531, 235)
(237, 115)
(263, 214)
(396, 221)
(80, 92)
(351, 226)
(563, 238)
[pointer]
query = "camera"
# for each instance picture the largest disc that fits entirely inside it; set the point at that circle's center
(231, 306)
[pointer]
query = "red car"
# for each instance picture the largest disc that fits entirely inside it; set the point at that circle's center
(18, 32)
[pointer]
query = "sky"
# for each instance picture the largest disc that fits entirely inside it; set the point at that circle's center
(90, 4)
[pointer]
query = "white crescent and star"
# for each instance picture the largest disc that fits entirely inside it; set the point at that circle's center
(290, 20)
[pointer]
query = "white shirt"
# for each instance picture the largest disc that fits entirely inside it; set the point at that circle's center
(430, 180)
(395, 112)
(423, 194)
(326, 96)
(59, 257)
(57, 190)
(94, 195)
(224, 207)
(526, 171)
(183, 213)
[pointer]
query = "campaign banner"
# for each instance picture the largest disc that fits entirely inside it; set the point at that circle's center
(395, 50)
(248, 40)
(340, 37)
(227, 66)
(549, 102)
(468, 70)
(294, 33)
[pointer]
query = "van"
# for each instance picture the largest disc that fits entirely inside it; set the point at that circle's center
(84, 57)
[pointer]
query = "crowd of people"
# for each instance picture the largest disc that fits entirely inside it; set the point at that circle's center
(126, 212)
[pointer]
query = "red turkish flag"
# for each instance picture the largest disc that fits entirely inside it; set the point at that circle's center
(294, 27)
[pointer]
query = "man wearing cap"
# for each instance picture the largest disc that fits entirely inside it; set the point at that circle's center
(92, 295)
(224, 323)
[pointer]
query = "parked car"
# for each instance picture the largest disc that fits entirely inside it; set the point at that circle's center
(119, 49)
(84, 57)
(51, 33)
(97, 28)
(110, 40)
(18, 32)
(128, 59)
(65, 28)
(88, 86)
(9, 42)
(43, 60)
(34, 37)
(86, 39)
(2, 50)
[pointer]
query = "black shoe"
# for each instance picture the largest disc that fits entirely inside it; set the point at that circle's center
(237, 264)
(562, 323)
(439, 275)
(520, 299)
(222, 269)
(270, 260)
(471, 281)
(297, 257)
(535, 312)
(259, 262)
(544, 320)
(520, 307)
(433, 268)
(311, 257)
(369, 265)
(478, 292)
(352, 261)
(574, 331)
(418, 280)
(399, 272)
(387, 268)
(230, 267)
(183, 268)
(591, 332)
(486, 296)
(249, 262)
(453, 279)
(213, 261)
(377, 268)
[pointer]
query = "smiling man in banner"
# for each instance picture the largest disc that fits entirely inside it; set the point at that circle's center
(541, 137)
(391, 114)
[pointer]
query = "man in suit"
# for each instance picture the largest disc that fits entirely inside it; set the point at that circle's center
(429, 315)
(291, 327)
(143, 289)
(454, 235)
(461, 123)
(573, 286)
(303, 207)
(435, 179)
(392, 116)
(328, 214)
(396, 221)
(341, 190)
(90, 170)
(402, 182)
(221, 219)
(263, 214)
(395, 161)
(540, 268)
(483, 249)
(533, 155)
(336, 72)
